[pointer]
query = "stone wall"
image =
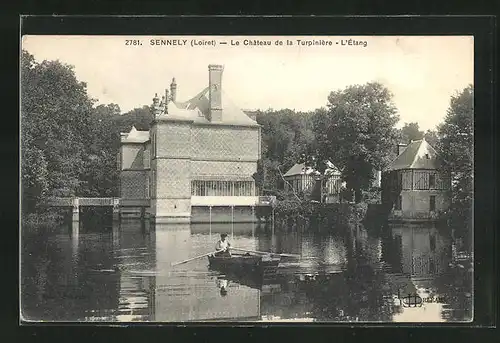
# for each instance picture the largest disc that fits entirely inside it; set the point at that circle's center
(244, 169)
(173, 140)
(173, 187)
(172, 171)
(173, 178)
(419, 201)
(133, 184)
(225, 143)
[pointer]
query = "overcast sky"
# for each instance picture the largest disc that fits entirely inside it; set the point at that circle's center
(421, 72)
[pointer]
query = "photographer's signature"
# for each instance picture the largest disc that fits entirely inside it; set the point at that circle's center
(413, 299)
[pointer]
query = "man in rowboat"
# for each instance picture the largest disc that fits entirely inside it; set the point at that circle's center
(222, 247)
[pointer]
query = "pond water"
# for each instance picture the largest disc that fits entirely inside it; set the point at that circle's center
(123, 274)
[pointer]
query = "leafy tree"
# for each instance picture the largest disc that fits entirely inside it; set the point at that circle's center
(456, 147)
(431, 136)
(55, 122)
(410, 132)
(68, 146)
(109, 110)
(35, 180)
(356, 133)
(285, 137)
(101, 175)
(139, 117)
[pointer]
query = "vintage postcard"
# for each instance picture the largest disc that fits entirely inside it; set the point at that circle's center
(246, 179)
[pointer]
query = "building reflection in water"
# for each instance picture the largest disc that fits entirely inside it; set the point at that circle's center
(425, 256)
(189, 292)
(425, 252)
(136, 262)
(125, 274)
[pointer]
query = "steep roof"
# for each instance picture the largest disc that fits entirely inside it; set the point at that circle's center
(135, 136)
(301, 169)
(417, 155)
(198, 108)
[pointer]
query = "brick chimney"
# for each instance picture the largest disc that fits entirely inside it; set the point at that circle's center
(215, 92)
(401, 148)
(173, 90)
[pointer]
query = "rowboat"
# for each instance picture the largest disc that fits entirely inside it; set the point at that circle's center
(247, 263)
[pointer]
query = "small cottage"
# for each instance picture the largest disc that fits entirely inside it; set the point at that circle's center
(302, 179)
(413, 186)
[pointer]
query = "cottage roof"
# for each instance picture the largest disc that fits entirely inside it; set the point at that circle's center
(417, 155)
(135, 136)
(301, 169)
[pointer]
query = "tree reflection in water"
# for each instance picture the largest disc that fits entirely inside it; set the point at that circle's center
(345, 274)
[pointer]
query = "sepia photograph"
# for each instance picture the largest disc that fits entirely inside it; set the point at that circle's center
(172, 179)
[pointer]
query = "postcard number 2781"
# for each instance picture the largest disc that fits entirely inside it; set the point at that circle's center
(132, 42)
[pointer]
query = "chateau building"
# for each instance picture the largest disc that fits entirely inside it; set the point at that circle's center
(414, 187)
(199, 152)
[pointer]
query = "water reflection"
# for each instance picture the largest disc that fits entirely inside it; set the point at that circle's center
(345, 274)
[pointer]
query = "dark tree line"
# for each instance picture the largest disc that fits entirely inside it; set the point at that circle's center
(356, 132)
(456, 146)
(411, 132)
(286, 134)
(69, 145)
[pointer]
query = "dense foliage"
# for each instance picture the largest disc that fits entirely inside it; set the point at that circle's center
(456, 146)
(356, 133)
(56, 128)
(69, 145)
(286, 134)
(411, 132)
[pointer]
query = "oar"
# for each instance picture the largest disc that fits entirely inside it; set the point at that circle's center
(263, 252)
(193, 258)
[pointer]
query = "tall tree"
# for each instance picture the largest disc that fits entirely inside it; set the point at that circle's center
(457, 149)
(410, 132)
(285, 137)
(55, 122)
(140, 117)
(100, 176)
(431, 136)
(356, 133)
